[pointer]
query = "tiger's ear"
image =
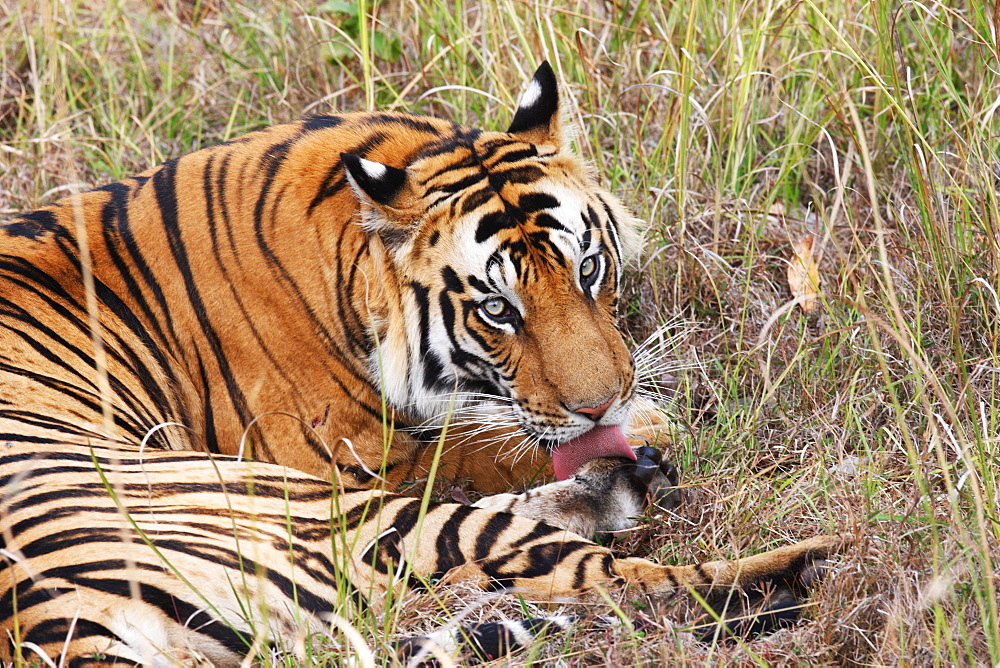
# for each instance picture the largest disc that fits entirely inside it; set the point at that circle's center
(388, 191)
(380, 183)
(536, 120)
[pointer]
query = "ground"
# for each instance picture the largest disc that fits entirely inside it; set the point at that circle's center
(735, 131)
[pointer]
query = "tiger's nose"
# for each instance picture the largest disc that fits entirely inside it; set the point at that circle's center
(595, 413)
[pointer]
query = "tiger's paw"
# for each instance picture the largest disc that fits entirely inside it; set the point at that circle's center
(661, 477)
(605, 495)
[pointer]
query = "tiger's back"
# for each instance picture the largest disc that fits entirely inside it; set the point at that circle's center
(210, 274)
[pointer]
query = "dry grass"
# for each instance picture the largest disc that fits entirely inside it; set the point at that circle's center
(733, 128)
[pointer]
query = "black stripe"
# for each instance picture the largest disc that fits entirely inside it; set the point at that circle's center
(222, 187)
(515, 155)
(532, 202)
(412, 122)
(51, 423)
(124, 231)
(615, 227)
(56, 631)
(33, 225)
(475, 199)
(492, 223)
(448, 544)
(523, 174)
(316, 123)
(478, 284)
(433, 369)
(271, 162)
(539, 561)
(550, 222)
(463, 184)
(164, 184)
(580, 577)
(489, 534)
(117, 231)
(540, 531)
(209, 433)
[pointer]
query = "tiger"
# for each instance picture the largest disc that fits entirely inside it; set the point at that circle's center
(224, 381)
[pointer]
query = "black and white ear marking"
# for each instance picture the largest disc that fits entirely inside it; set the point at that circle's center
(538, 108)
(379, 182)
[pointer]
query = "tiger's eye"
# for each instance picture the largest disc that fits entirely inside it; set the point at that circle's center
(495, 306)
(588, 266)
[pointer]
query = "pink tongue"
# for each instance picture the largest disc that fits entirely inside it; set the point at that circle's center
(598, 442)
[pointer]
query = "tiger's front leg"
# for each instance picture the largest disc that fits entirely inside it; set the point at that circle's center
(546, 563)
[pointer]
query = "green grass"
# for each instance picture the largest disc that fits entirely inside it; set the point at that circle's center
(873, 126)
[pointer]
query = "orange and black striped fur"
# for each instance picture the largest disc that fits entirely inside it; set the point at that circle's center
(343, 300)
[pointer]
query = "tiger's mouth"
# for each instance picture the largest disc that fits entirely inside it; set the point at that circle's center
(600, 441)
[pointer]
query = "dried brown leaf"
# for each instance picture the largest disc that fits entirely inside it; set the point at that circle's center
(803, 274)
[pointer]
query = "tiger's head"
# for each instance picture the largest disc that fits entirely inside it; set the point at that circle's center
(507, 259)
